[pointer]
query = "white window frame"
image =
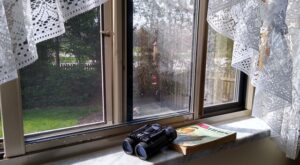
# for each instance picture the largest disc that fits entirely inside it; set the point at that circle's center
(114, 77)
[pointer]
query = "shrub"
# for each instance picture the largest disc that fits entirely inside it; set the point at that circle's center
(54, 86)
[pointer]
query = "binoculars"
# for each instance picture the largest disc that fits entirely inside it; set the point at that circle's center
(148, 140)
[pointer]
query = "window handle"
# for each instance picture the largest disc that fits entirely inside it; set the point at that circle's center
(105, 33)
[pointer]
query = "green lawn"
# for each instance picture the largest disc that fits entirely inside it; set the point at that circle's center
(42, 119)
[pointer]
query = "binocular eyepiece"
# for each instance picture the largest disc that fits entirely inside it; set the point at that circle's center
(148, 140)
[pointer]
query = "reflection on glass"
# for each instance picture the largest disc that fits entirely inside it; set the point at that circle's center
(63, 88)
(221, 79)
(1, 131)
(162, 53)
(1, 136)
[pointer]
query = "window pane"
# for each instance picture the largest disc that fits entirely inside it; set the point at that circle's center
(64, 87)
(162, 54)
(221, 85)
(1, 131)
(1, 138)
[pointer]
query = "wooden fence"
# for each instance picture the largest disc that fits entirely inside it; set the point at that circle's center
(70, 66)
(219, 88)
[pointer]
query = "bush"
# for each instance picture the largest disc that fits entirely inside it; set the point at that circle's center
(54, 86)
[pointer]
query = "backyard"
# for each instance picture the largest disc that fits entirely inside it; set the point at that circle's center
(38, 119)
(63, 88)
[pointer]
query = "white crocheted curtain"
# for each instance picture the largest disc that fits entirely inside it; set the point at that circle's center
(24, 23)
(266, 36)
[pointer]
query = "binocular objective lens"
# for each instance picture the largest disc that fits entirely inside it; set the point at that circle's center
(141, 152)
(127, 147)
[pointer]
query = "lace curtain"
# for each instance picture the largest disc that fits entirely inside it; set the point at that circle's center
(24, 23)
(266, 36)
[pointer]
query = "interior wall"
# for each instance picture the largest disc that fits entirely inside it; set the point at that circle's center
(263, 152)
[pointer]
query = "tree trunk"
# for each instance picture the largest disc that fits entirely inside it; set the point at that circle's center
(57, 50)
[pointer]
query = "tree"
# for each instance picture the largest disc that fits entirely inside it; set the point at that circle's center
(82, 37)
(57, 51)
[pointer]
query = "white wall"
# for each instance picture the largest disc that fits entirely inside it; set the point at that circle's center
(263, 152)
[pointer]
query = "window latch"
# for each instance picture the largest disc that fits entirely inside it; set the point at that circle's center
(105, 33)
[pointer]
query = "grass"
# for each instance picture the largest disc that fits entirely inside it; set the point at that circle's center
(42, 119)
(67, 59)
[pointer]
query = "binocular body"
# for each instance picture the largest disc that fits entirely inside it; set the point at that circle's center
(148, 140)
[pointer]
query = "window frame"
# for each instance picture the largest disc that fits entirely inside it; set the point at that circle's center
(116, 93)
(129, 64)
(12, 119)
(235, 106)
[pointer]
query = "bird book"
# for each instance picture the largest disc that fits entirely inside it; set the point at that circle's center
(201, 136)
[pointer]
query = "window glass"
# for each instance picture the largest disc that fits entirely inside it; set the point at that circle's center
(162, 56)
(63, 88)
(221, 80)
(1, 131)
(1, 137)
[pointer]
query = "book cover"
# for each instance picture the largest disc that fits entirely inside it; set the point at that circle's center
(201, 136)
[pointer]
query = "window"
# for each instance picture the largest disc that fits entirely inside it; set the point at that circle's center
(125, 62)
(64, 87)
(162, 56)
(224, 85)
(1, 138)
(221, 78)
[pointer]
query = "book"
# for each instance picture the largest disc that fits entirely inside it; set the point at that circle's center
(200, 137)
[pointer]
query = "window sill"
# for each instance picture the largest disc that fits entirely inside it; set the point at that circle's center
(248, 130)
